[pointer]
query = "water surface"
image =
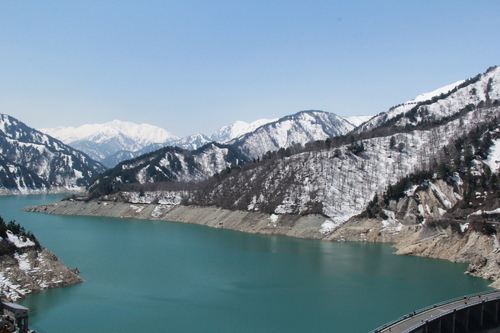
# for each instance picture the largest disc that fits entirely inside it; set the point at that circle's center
(161, 276)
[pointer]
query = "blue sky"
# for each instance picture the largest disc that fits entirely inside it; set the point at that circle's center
(195, 66)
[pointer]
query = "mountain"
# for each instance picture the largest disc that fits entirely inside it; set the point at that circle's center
(102, 140)
(31, 161)
(117, 141)
(299, 128)
(237, 129)
(169, 164)
(449, 101)
(191, 142)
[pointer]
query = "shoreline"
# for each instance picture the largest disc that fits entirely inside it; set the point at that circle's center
(476, 249)
(300, 226)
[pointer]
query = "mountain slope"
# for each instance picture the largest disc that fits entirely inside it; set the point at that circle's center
(299, 128)
(483, 89)
(33, 161)
(237, 129)
(27, 267)
(169, 164)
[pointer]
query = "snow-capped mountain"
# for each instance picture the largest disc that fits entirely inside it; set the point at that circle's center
(237, 129)
(102, 140)
(448, 101)
(299, 128)
(31, 161)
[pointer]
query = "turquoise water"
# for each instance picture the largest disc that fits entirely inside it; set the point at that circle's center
(152, 276)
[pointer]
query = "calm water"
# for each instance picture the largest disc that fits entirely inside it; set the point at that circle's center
(149, 276)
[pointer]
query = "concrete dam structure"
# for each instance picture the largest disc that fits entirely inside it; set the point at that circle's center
(467, 314)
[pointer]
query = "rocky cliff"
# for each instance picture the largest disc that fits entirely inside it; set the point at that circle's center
(26, 267)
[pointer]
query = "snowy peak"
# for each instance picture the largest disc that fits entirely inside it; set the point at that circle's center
(450, 100)
(428, 96)
(299, 128)
(142, 134)
(237, 129)
(100, 141)
(191, 142)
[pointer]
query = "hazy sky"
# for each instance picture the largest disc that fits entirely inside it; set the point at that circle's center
(195, 66)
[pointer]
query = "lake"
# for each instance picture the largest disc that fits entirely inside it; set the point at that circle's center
(158, 276)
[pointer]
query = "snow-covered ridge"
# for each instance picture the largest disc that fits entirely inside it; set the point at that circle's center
(337, 182)
(142, 134)
(429, 95)
(443, 102)
(299, 128)
(237, 129)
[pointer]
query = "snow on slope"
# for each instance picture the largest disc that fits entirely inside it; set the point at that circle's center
(480, 89)
(358, 120)
(302, 127)
(493, 160)
(237, 129)
(32, 161)
(343, 183)
(437, 92)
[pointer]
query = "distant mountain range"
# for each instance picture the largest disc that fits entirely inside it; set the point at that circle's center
(102, 140)
(116, 141)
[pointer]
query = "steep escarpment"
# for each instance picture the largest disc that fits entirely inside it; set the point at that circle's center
(27, 267)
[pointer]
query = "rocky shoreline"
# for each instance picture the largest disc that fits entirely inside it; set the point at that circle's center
(479, 250)
(26, 269)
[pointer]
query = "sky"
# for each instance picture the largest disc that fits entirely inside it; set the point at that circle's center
(195, 66)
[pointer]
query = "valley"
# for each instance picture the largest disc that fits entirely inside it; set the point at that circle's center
(423, 175)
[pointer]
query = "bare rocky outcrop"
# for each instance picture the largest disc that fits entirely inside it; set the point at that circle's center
(306, 226)
(26, 268)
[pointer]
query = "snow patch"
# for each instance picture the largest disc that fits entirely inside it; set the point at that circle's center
(137, 208)
(391, 224)
(19, 241)
(328, 227)
(493, 160)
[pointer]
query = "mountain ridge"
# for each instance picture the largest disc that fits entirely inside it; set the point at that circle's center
(31, 161)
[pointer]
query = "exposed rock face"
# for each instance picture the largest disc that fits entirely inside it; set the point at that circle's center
(28, 268)
(307, 226)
